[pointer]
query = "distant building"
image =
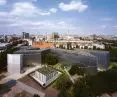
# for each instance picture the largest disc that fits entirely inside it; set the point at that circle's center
(39, 38)
(4, 46)
(29, 41)
(8, 38)
(2, 38)
(25, 35)
(43, 45)
(55, 36)
(45, 75)
(99, 46)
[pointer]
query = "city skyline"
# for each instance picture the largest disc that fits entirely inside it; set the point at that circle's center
(82, 17)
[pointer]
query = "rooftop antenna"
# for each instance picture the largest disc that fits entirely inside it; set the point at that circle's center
(68, 29)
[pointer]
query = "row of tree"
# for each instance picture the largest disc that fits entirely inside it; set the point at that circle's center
(93, 86)
(76, 69)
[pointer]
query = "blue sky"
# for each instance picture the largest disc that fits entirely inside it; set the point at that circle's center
(82, 17)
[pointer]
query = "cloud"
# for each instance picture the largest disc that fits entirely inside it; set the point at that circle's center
(27, 9)
(21, 16)
(115, 26)
(34, 0)
(103, 26)
(45, 24)
(73, 5)
(3, 14)
(53, 10)
(3, 2)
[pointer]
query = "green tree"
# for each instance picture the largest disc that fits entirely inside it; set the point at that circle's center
(63, 93)
(75, 69)
(94, 47)
(63, 82)
(82, 89)
(51, 59)
(86, 47)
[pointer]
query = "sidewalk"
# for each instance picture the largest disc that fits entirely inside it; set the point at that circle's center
(18, 76)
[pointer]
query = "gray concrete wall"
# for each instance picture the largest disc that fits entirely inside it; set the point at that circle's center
(74, 58)
(102, 59)
(31, 59)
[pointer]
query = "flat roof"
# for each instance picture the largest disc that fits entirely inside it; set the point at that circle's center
(4, 44)
(46, 70)
(78, 52)
(29, 50)
(99, 51)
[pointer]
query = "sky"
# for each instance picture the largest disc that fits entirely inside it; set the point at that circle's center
(81, 17)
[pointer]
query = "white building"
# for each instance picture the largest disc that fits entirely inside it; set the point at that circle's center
(45, 75)
(15, 63)
(30, 41)
(39, 38)
(100, 46)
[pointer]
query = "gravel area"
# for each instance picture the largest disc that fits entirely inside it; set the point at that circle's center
(49, 91)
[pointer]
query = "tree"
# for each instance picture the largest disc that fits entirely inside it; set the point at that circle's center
(82, 89)
(61, 46)
(77, 46)
(75, 69)
(113, 65)
(63, 93)
(93, 86)
(63, 82)
(35, 95)
(55, 35)
(94, 47)
(69, 46)
(86, 47)
(51, 59)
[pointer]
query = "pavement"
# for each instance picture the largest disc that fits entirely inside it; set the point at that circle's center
(21, 85)
(18, 76)
(69, 75)
(30, 89)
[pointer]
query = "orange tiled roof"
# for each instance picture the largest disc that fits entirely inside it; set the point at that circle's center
(43, 45)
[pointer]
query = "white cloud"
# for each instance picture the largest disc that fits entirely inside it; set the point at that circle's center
(46, 24)
(27, 9)
(18, 18)
(34, 0)
(103, 26)
(3, 14)
(53, 10)
(3, 2)
(73, 5)
(115, 26)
